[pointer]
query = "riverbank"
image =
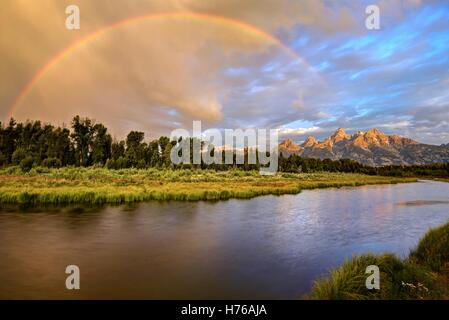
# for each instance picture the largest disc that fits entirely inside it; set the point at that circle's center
(424, 274)
(73, 185)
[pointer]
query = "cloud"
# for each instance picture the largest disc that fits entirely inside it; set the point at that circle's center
(159, 75)
(396, 125)
(298, 132)
(154, 75)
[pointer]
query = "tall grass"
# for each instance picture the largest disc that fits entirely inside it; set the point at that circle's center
(98, 185)
(433, 250)
(423, 275)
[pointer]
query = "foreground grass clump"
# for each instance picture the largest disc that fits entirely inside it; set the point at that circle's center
(98, 185)
(424, 275)
(433, 250)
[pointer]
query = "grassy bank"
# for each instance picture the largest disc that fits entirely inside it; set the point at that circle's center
(97, 185)
(423, 275)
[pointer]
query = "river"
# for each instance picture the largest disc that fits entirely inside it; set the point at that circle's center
(270, 247)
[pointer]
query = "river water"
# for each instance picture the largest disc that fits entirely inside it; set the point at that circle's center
(270, 247)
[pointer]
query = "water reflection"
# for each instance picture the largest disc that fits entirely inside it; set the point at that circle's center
(421, 203)
(267, 247)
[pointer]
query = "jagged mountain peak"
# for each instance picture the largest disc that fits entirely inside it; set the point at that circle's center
(374, 132)
(372, 147)
(339, 135)
(288, 147)
(287, 143)
(376, 137)
(325, 144)
(339, 132)
(309, 142)
(399, 140)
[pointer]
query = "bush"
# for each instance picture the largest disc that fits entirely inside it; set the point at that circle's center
(39, 170)
(26, 164)
(121, 163)
(141, 164)
(19, 155)
(111, 164)
(3, 159)
(52, 163)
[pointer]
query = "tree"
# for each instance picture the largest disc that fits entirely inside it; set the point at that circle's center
(165, 146)
(117, 149)
(101, 144)
(82, 137)
(152, 156)
(61, 147)
(135, 148)
(8, 140)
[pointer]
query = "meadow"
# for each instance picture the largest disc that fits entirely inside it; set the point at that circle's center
(92, 185)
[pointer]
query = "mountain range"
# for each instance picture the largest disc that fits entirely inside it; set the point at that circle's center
(372, 147)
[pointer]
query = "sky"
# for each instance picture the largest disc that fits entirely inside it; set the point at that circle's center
(306, 67)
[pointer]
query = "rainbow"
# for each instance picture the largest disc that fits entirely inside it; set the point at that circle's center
(201, 17)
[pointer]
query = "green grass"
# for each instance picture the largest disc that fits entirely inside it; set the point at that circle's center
(433, 250)
(423, 275)
(72, 185)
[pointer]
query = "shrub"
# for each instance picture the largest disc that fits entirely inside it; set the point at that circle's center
(141, 164)
(26, 164)
(19, 155)
(52, 163)
(111, 164)
(121, 163)
(41, 170)
(3, 159)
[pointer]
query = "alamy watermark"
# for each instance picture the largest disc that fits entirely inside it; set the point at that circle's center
(73, 20)
(372, 21)
(373, 280)
(228, 146)
(72, 282)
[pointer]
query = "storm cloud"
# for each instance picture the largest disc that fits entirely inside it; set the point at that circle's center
(160, 74)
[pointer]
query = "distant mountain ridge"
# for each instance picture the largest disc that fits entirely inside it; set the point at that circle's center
(372, 147)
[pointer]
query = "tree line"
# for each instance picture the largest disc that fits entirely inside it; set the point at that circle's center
(295, 163)
(87, 143)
